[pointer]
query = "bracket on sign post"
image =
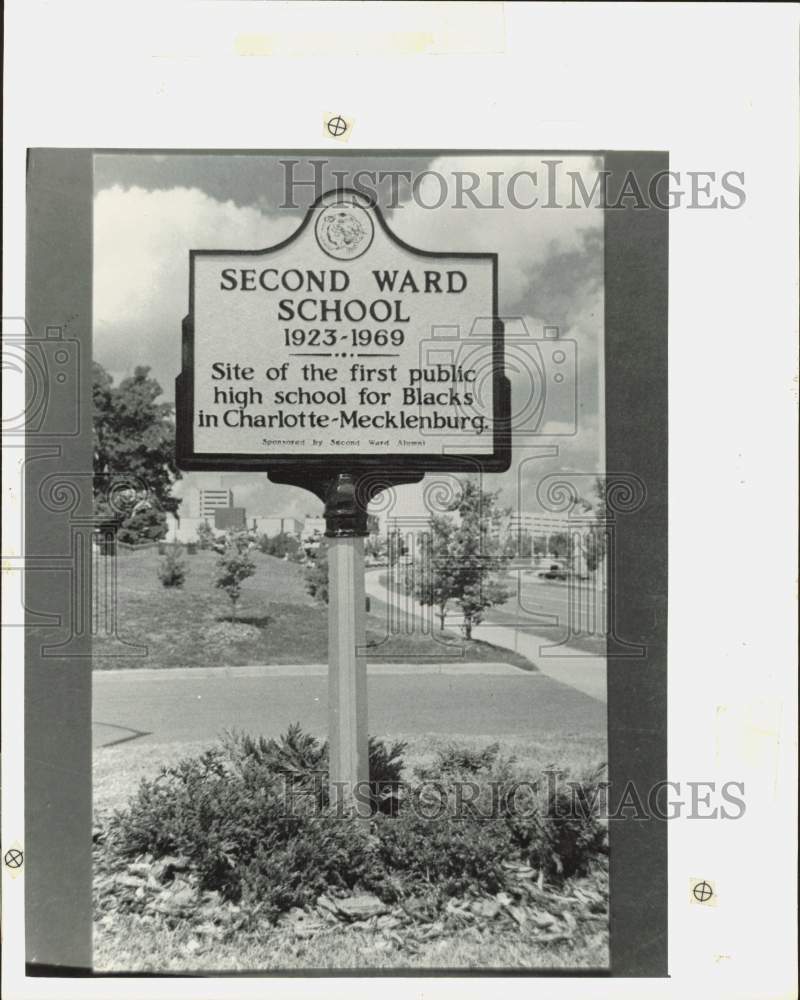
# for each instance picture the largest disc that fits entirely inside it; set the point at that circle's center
(343, 361)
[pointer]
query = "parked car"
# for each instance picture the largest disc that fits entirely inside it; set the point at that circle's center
(555, 572)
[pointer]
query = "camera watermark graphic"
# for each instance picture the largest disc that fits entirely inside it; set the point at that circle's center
(553, 184)
(46, 370)
(89, 567)
(542, 369)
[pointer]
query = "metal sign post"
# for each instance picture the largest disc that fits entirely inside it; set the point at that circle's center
(347, 639)
(343, 361)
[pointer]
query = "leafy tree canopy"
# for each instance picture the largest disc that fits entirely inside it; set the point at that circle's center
(134, 435)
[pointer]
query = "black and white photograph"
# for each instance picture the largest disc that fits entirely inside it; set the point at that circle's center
(358, 720)
(399, 451)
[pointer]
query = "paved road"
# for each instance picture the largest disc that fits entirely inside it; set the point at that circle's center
(543, 608)
(578, 666)
(540, 608)
(159, 706)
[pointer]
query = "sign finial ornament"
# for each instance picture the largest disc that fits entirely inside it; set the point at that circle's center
(344, 231)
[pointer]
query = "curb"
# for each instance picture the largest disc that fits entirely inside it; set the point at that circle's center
(150, 674)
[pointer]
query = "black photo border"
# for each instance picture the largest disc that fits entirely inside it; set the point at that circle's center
(58, 693)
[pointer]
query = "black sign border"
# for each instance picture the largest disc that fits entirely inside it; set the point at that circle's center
(410, 465)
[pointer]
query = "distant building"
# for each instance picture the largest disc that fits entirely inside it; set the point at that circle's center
(274, 525)
(541, 528)
(313, 526)
(214, 500)
(558, 540)
(230, 519)
(183, 529)
(202, 503)
(213, 507)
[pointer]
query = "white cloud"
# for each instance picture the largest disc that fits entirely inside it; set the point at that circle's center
(142, 240)
(523, 237)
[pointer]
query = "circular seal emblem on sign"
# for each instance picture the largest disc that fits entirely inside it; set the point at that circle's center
(344, 231)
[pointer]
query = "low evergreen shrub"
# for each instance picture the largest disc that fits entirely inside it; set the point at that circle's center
(444, 855)
(456, 759)
(304, 759)
(251, 815)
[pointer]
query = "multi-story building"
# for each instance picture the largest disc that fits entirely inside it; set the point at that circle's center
(204, 506)
(213, 500)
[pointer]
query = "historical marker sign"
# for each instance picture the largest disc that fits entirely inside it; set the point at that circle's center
(342, 348)
(340, 356)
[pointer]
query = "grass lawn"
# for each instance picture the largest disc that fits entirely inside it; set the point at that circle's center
(150, 942)
(116, 771)
(152, 946)
(277, 621)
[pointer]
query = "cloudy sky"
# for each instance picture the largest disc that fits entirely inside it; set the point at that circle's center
(150, 210)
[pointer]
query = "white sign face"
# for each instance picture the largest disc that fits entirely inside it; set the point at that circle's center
(340, 342)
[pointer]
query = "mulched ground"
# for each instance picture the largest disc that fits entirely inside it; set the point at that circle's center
(164, 894)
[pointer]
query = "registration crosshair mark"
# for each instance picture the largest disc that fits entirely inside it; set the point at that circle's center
(702, 892)
(337, 126)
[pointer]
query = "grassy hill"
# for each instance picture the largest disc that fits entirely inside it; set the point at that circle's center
(277, 622)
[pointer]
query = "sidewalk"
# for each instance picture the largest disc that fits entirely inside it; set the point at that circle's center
(452, 667)
(578, 669)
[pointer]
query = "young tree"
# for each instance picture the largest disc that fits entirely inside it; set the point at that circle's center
(375, 548)
(560, 545)
(172, 571)
(316, 573)
(134, 436)
(234, 566)
(395, 546)
(600, 504)
(540, 545)
(310, 544)
(517, 544)
(434, 580)
(374, 543)
(595, 539)
(205, 535)
(282, 545)
(476, 597)
(594, 548)
(477, 554)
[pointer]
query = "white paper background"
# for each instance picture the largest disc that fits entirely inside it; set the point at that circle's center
(716, 85)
